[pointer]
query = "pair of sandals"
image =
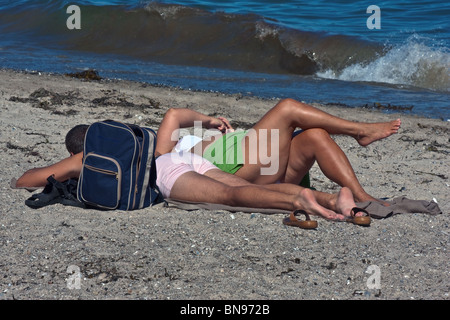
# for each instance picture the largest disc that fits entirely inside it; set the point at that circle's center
(364, 220)
(56, 192)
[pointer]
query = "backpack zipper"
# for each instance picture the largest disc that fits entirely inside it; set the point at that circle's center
(104, 171)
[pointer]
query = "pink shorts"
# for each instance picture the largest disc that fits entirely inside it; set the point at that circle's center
(170, 166)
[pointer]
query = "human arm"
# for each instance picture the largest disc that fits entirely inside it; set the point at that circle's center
(176, 119)
(65, 169)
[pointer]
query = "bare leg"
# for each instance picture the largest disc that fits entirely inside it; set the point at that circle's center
(288, 115)
(316, 145)
(296, 156)
(211, 190)
(326, 200)
(306, 117)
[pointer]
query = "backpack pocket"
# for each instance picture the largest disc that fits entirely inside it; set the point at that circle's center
(104, 176)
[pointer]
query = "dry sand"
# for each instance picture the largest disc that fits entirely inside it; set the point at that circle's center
(167, 253)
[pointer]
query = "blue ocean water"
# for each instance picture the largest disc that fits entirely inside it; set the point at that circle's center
(311, 51)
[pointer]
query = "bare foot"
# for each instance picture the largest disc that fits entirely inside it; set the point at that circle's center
(366, 197)
(345, 202)
(307, 201)
(370, 132)
(363, 196)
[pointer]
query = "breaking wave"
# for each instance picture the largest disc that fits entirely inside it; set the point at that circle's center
(413, 64)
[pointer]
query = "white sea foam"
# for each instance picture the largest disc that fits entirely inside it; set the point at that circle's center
(413, 63)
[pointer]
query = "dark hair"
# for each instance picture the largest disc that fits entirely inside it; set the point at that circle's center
(75, 138)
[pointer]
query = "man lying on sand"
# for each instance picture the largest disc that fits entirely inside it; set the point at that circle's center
(176, 173)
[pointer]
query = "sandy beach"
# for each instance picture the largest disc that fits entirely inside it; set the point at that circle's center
(165, 253)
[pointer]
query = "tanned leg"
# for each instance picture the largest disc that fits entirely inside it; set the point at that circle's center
(306, 117)
(317, 145)
(326, 200)
(210, 190)
(296, 156)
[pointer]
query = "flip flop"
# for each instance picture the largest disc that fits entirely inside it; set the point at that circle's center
(303, 224)
(360, 220)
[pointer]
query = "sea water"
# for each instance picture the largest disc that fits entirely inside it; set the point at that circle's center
(392, 55)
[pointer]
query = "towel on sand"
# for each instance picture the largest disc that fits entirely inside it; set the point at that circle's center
(189, 206)
(375, 209)
(399, 205)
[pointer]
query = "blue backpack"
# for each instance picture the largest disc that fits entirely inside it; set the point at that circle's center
(118, 169)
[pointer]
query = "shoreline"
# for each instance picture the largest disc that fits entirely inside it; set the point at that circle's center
(166, 253)
(92, 74)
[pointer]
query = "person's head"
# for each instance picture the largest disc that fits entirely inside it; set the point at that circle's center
(75, 138)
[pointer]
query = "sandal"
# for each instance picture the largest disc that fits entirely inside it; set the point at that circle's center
(47, 197)
(294, 222)
(56, 192)
(360, 220)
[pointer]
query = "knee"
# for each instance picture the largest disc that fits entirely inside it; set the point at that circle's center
(317, 135)
(290, 107)
(171, 113)
(229, 195)
(288, 104)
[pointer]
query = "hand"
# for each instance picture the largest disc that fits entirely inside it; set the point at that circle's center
(221, 124)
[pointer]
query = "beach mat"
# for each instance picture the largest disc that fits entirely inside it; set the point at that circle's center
(190, 206)
(399, 205)
(376, 210)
